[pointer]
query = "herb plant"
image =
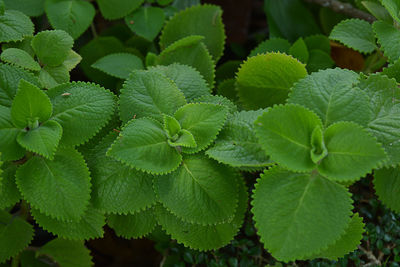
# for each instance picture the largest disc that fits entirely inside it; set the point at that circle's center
(159, 149)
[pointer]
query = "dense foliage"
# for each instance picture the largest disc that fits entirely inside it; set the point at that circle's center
(158, 142)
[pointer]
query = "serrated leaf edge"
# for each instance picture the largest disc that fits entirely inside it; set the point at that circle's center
(274, 168)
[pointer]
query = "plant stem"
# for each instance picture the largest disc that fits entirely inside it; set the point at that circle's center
(15, 261)
(344, 8)
(94, 31)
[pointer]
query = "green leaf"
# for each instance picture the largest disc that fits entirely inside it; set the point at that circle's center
(42, 140)
(146, 21)
(15, 235)
(14, 26)
(204, 237)
(89, 226)
(298, 215)
(59, 188)
(119, 65)
(190, 51)
(200, 191)
(330, 94)
(72, 16)
(318, 42)
(387, 186)
(227, 89)
(143, 145)
(149, 94)
(31, 105)
(204, 20)
(237, 144)
(82, 109)
(352, 152)
(265, 80)
(67, 253)
(284, 132)
(9, 194)
(393, 7)
(356, 34)
(188, 79)
(134, 225)
(171, 126)
(299, 50)
(9, 148)
(377, 10)
(10, 77)
(203, 121)
(318, 148)
(19, 58)
(271, 45)
(116, 188)
(217, 100)
(185, 139)
(116, 9)
(50, 77)
(52, 47)
(72, 60)
(389, 38)
(347, 243)
(384, 102)
(299, 21)
(96, 49)
(33, 8)
(319, 60)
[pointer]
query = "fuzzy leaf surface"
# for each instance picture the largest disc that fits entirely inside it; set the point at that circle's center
(190, 51)
(143, 145)
(330, 94)
(82, 109)
(356, 34)
(237, 144)
(10, 77)
(384, 102)
(42, 140)
(72, 16)
(116, 9)
(67, 253)
(52, 47)
(19, 58)
(204, 237)
(347, 243)
(32, 8)
(146, 21)
(89, 226)
(186, 78)
(199, 191)
(9, 147)
(352, 152)
(134, 225)
(265, 80)
(59, 188)
(387, 187)
(204, 20)
(9, 194)
(284, 132)
(389, 39)
(15, 235)
(14, 26)
(30, 104)
(393, 7)
(203, 121)
(116, 188)
(149, 94)
(119, 65)
(297, 215)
